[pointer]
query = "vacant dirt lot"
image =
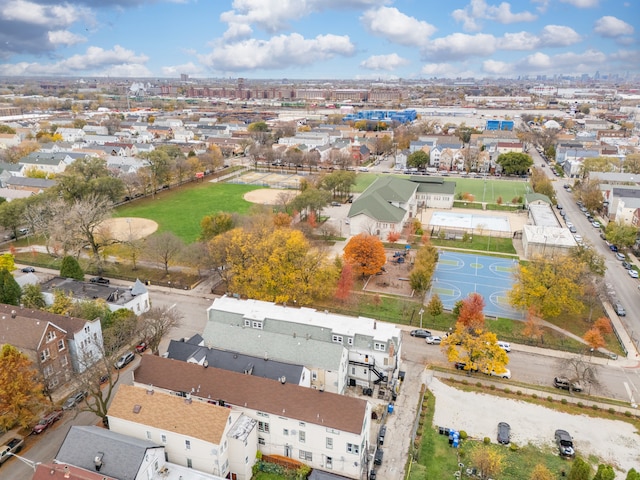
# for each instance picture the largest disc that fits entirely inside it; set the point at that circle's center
(267, 196)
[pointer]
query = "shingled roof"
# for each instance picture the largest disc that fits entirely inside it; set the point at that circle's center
(260, 394)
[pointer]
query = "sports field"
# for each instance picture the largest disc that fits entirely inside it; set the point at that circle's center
(482, 190)
(181, 210)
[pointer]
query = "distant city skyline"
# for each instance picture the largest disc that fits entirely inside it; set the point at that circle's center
(320, 39)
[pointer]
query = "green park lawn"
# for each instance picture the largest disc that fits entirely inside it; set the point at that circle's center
(483, 191)
(180, 210)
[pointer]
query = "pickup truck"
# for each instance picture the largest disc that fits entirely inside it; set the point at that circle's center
(12, 443)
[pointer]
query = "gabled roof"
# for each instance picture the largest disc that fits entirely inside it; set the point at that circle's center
(234, 361)
(259, 394)
(23, 332)
(123, 455)
(375, 201)
(170, 413)
(59, 471)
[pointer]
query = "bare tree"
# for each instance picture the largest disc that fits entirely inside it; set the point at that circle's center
(156, 323)
(164, 247)
(579, 370)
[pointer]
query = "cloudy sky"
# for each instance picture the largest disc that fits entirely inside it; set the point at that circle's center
(307, 39)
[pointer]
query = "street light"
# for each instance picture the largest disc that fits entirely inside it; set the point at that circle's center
(421, 312)
(26, 461)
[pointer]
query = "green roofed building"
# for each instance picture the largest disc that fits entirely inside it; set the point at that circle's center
(391, 202)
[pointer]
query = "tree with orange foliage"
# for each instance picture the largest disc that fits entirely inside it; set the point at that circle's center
(345, 283)
(365, 253)
(532, 328)
(603, 324)
(471, 312)
(594, 338)
(281, 220)
(393, 236)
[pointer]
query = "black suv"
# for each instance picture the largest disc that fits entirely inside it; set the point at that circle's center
(377, 459)
(381, 434)
(564, 384)
(102, 280)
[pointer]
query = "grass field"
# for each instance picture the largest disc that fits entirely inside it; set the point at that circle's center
(483, 191)
(181, 210)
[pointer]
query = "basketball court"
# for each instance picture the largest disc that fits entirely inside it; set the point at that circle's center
(459, 274)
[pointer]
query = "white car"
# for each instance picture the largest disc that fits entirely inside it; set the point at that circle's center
(433, 340)
(505, 374)
(633, 273)
(506, 346)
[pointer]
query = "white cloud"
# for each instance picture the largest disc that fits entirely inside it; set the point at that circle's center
(558, 36)
(65, 37)
(283, 51)
(478, 10)
(582, 3)
(237, 31)
(495, 67)
(519, 41)
(460, 45)
(42, 15)
(397, 27)
(612, 27)
(384, 62)
(97, 61)
(585, 62)
(175, 70)
(444, 70)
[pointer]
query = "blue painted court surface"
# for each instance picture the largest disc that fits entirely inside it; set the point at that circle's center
(459, 274)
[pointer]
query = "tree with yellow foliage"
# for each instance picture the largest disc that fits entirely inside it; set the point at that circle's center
(20, 389)
(553, 284)
(540, 472)
(477, 349)
(488, 460)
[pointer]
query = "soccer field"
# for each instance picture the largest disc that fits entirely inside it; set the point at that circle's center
(492, 188)
(483, 191)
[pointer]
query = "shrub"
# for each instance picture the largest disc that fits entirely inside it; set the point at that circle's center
(464, 382)
(519, 392)
(492, 387)
(627, 413)
(612, 411)
(513, 447)
(486, 440)
(507, 390)
(594, 406)
(564, 401)
(580, 404)
(534, 396)
(463, 435)
(549, 398)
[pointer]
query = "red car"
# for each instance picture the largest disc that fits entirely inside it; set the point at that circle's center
(141, 347)
(43, 424)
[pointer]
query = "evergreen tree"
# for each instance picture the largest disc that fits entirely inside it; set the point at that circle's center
(10, 291)
(605, 472)
(71, 269)
(580, 470)
(32, 297)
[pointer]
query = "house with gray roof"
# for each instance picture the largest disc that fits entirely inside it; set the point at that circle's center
(134, 298)
(323, 430)
(53, 163)
(389, 203)
(339, 351)
(193, 350)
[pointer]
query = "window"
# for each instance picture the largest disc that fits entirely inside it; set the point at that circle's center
(350, 341)
(329, 463)
(64, 361)
(329, 443)
(302, 424)
(247, 322)
(306, 456)
(379, 346)
(256, 324)
(187, 444)
(189, 463)
(336, 338)
(163, 438)
(51, 335)
(352, 448)
(261, 441)
(285, 432)
(60, 345)
(263, 427)
(47, 371)
(44, 355)
(302, 436)
(86, 330)
(314, 376)
(148, 435)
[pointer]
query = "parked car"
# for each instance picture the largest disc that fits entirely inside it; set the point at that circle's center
(74, 400)
(420, 333)
(565, 443)
(573, 229)
(564, 384)
(381, 434)
(377, 459)
(141, 347)
(506, 346)
(431, 340)
(28, 269)
(613, 248)
(373, 474)
(627, 265)
(620, 256)
(620, 311)
(504, 374)
(569, 224)
(101, 280)
(46, 421)
(335, 204)
(504, 433)
(595, 224)
(124, 360)
(463, 366)
(633, 273)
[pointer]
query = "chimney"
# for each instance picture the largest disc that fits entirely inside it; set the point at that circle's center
(67, 472)
(13, 314)
(97, 460)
